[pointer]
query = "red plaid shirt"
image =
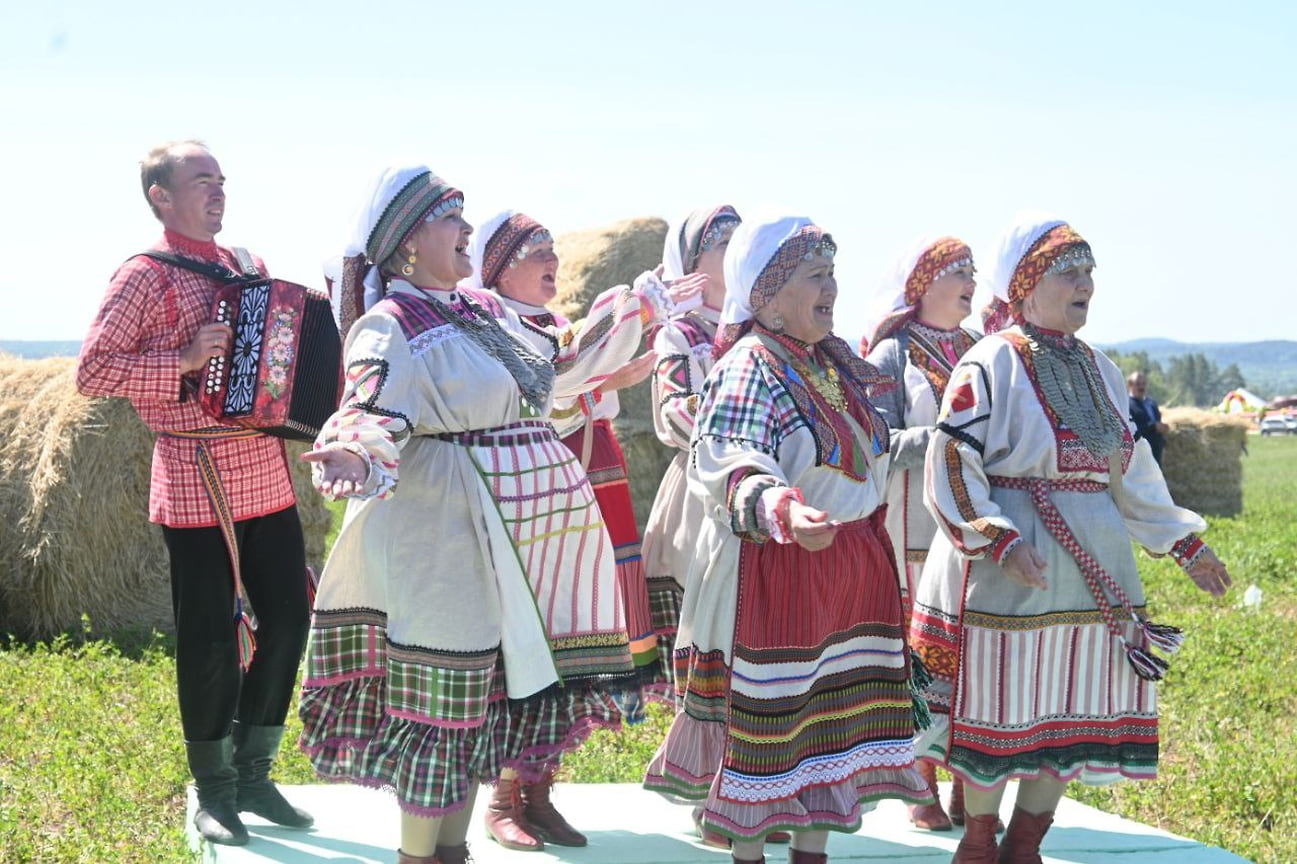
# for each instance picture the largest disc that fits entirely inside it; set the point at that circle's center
(150, 314)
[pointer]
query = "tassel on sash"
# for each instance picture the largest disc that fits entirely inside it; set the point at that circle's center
(1163, 637)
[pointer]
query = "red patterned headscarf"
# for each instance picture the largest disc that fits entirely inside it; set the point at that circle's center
(911, 279)
(1040, 257)
(804, 245)
(1027, 250)
(507, 241)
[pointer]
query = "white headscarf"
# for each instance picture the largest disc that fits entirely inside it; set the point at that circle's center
(1026, 228)
(751, 247)
(477, 247)
(688, 232)
(890, 298)
(363, 247)
(894, 308)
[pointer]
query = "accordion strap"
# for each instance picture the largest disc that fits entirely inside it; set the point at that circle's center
(245, 620)
(210, 269)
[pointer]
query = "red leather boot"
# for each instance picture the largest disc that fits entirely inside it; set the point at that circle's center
(978, 845)
(929, 817)
(542, 816)
(1022, 841)
(505, 821)
(957, 804)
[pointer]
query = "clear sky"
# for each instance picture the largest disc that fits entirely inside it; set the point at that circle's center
(1166, 132)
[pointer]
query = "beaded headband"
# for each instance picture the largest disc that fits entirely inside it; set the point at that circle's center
(723, 221)
(403, 213)
(805, 245)
(943, 256)
(1040, 259)
(510, 244)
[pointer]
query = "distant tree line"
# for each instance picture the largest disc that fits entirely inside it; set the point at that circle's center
(1188, 379)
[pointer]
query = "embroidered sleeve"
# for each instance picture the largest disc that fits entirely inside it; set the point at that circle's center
(112, 361)
(655, 304)
(676, 380)
(956, 488)
(378, 407)
(743, 418)
(1188, 550)
(605, 340)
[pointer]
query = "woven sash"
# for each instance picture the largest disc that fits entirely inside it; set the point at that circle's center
(1097, 579)
(245, 621)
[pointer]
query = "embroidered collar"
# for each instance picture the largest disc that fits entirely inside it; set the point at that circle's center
(449, 296)
(206, 250)
(932, 331)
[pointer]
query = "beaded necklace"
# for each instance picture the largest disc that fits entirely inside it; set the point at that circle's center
(820, 375)
(1074, 391)
(533, 373)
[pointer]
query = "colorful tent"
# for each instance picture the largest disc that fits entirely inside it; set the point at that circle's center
(1240, 401)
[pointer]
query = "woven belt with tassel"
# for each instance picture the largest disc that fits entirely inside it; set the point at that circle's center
(1162, 636)
(245, 621)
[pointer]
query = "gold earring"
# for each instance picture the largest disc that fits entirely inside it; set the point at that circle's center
(408, 268)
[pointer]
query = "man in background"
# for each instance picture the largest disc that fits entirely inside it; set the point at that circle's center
(1145, 414)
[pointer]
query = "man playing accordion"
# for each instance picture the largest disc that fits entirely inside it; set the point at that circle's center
(221, 493)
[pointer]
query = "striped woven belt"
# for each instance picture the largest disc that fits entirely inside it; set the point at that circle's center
(1146, 664)
(1029, 483)
(515, 435)
(245, 621)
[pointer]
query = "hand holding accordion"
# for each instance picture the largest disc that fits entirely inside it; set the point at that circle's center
(283, 372)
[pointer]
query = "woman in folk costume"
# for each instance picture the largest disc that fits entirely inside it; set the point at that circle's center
(797, 710)
(683, 348)
(683, 351)
(513, 256)
(917, 344)
(1029, 612)
(469, 603)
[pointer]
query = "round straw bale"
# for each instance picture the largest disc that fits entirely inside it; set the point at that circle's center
(589, 263)
(74, 530)
(1202, 461)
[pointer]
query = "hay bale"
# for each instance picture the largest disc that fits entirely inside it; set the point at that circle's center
(1202, 461)
(590, 262)
(74, 530)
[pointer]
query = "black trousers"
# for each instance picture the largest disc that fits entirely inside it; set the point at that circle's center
(213, 690)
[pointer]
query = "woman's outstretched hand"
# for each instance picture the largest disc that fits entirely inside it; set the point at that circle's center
(1209, 574)
(344, 471)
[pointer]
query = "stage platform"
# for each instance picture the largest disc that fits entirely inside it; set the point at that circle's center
(627, 825)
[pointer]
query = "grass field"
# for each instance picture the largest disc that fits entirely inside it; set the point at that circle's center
(92, 765)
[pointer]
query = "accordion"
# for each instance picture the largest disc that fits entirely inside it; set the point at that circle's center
(283, 375)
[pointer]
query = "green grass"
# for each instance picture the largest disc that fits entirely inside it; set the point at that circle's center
(92, 765)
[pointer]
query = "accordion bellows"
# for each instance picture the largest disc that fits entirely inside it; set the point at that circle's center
(283, 375)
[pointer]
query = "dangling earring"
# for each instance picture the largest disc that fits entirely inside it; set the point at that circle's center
(777, 323)
(408, 268)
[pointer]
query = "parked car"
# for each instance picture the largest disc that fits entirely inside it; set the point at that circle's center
(1279, 426)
